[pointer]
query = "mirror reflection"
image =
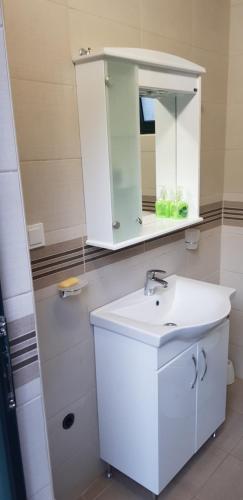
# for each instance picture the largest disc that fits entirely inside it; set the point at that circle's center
(147, 148)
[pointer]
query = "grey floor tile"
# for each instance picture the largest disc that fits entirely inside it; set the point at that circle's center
(238, 450)
(230, 432)
(235, 396)
(226, 483)
(96, 488)
(203, 464)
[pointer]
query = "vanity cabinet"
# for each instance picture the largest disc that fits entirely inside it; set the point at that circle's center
(110, 86)
(154, 415)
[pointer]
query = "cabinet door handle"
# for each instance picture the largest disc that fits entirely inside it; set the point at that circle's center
(196, 371)
(205, 365)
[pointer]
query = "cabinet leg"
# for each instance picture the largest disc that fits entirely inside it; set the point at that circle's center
(214, 435)
(108, 471)
(155, 497)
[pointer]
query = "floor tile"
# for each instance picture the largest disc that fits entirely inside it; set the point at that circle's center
(96, 488)
(202, 465)
(238, 450)
(235, 396)
(225, 483)
(230, 432)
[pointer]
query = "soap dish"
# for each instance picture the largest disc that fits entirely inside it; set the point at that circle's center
(70, 287)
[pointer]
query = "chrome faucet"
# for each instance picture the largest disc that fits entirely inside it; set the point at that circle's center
(152, 280)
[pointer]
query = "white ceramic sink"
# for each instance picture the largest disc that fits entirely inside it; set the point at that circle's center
(186, 309)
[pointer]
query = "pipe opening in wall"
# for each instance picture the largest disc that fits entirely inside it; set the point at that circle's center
(68, 421)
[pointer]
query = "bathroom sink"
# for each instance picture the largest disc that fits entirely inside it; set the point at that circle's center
(186, 309)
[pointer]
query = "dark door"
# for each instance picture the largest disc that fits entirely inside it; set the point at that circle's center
(11, 471)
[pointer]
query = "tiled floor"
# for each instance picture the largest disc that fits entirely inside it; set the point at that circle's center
(214, 473)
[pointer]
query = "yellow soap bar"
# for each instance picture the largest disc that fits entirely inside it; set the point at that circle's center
(69, 283)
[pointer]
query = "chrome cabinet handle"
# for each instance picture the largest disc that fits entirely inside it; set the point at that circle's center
(196, 371)
(205, 365)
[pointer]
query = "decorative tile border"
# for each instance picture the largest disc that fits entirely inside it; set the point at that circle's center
(56, 262)
(23, 349)
(233, 213)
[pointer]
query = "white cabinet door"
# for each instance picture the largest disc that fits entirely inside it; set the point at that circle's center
(177, 414)
(212, 382)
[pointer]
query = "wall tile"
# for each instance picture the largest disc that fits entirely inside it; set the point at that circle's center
(14, 264)
(44, 494)
(127, 11)
(28, 391)
(170, 19)
(236, 327)
(53, 193)
(76, 474)
(213, 125)
(62, 324)
(233, 177)
(231, 252)
(235, 75)
(38, 49)
(8, 150)
(210, 23)
(205, 260)
(236, 20)
(46, 120)
(91, 31)
(19, 306)
(33, 446)
(71, 374)
(214, 82)
(65, 444)
(212, 173)
(155, 41)
(234, 127)
(234, 280)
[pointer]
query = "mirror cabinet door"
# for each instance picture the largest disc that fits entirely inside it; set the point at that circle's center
(122, 98)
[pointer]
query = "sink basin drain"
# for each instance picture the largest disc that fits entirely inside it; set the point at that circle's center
(170, 324)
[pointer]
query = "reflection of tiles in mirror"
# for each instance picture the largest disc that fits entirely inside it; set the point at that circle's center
(148, 203)
(54, 263)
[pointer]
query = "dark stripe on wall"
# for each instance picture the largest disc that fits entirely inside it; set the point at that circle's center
(19, 340)
(25, 363)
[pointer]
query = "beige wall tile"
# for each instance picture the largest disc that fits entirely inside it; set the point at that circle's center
(167, 18)
(154, 41)
(235, 78)
(212, 173)
(234, 126)
(214, 82)
(236, 22)
(90, 31)
(233, 181)
(127, 11)
(210, 23)
(53, 193)
(37, 40)
(213, 125)
(46, 120)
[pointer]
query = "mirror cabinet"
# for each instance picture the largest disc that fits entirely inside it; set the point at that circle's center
(139, 113)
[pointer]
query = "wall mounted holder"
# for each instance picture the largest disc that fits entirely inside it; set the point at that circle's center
(71, 286)
(192, 237)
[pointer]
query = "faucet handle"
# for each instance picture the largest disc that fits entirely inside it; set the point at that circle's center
(154, 271)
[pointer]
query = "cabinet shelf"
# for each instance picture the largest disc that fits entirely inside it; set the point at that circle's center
(150, 230)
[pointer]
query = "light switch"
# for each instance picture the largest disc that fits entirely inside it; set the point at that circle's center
(36, 235)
